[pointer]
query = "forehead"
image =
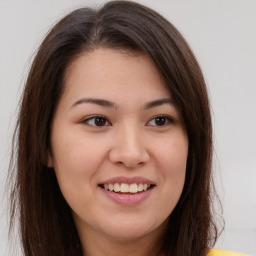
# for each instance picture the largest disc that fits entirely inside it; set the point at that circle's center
(104, 71)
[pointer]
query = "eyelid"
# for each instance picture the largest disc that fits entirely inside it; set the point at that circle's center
(88, 118)
(170, 120)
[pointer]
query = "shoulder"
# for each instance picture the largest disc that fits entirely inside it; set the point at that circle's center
(220, 252)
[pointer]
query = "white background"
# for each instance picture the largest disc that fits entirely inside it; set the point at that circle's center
(222, 34)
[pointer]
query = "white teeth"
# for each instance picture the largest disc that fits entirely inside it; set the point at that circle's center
(124, 188)
(140, 187)
(133, 188)
(111, 187)
(127, 188)
(116, 187)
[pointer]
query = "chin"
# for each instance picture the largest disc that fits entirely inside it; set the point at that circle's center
(128, 234)
(129, 230)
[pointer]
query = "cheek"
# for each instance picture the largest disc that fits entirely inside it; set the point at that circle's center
(76, 155)
(76, 160)
(173, 155)
(173, 161)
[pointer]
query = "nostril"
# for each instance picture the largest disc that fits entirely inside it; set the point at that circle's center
(129, 157)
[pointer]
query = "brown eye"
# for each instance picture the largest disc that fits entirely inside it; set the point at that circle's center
(159, 121)
(98, 121)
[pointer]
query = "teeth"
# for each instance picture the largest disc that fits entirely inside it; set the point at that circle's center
(126, 188)
(111, 187)
(140, 187)
(116, 187)
(133, 188)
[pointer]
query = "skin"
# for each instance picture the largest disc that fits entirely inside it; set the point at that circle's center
(131, 142)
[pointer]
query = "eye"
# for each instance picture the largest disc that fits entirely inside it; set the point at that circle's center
(160, 121)
(97, 121)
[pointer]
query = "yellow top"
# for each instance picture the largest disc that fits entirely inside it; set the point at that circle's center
(220, 252)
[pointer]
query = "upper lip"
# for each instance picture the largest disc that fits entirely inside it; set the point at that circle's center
(128, 180)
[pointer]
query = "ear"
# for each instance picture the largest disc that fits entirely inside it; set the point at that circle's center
(49, 161)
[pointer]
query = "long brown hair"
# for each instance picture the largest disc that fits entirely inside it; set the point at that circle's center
(45, 220)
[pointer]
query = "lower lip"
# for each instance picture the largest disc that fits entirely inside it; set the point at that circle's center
(128, 199)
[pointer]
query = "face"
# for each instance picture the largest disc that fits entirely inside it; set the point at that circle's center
(119, 146)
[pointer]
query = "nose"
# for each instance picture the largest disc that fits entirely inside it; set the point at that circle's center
(129, 148)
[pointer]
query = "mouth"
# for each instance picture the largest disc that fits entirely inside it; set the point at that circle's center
(127, 191)
(125, 188)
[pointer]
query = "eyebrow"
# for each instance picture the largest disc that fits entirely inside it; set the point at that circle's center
(158, 102)
(110, 104)
(100, 102)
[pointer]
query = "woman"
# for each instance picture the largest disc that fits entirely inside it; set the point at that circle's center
(114, 140)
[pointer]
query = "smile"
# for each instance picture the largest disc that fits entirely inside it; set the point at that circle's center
(126, 188)
(127, 191)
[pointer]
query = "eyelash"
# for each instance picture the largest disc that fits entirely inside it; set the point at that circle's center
(103, 119)
(94, 118)
(167, 120)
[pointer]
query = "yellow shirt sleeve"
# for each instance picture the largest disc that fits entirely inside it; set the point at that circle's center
(220, 252)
